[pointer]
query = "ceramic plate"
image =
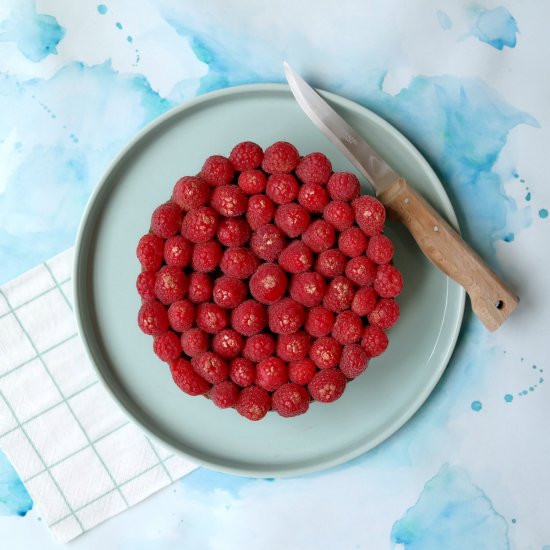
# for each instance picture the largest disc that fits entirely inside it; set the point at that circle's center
(372, 408)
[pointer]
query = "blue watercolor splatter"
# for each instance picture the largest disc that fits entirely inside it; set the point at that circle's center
(476, 406)
(451, 513)
(509, 237)
(495, 27)
(102, 9)
(129, 39)
(543, 213)
(118, 25)
(444, 20)
(14, 498)
(508, 398)
(528, 196)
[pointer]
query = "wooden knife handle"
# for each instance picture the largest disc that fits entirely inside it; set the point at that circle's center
(492, 300)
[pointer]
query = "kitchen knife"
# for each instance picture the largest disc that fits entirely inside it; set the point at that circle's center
(492, 300)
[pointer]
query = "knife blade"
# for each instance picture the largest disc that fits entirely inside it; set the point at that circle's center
(492, 300)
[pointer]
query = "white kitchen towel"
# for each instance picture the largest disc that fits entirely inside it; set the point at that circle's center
(82, 461)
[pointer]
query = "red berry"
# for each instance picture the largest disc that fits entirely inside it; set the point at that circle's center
(187, 379)
(181, 315)
(388, 282)
(190, 192)
(242, 371)
(229, 200)
(170, 284)
(327, 385)
(200, 224)
(200, 288)
(348, 328)
(268, 284)
(331, 263)
(364, 301)
(313, 197)
(325, 352)
(292, 218)
(301, 371)
(211, 367)
(267, 242)
(290, 400)
(225, 394)
(167, 346)
(343, 186)
(194, 342)
(227, 344)
(229, 292)
(246, 155)
(217, 170)
(370, 214)
(339, 295)
(308, 288)
(296, 257)
(361, 271)
(253, 403)
(319, 236)
(380, 249)
(206, 256)
(354, 361)
(166, 220)
(249, 318)
(211, 317)
(314, 168)
(260, 211)
(374, 341)
(150, 251)
(286, 316)
(282, 188)
(292, 347)
(233, 232)
(145, 285)
(281, 157)
(177, 251)
(385, 313)
(339, 214)
(239, 263)
(319, 321)
(259, 347)
(271, 373)
(252, 181)
(153, 318)
(352, 242)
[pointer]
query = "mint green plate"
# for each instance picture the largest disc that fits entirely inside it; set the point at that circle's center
(373, 406)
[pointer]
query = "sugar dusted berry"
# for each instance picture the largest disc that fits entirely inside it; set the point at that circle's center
(325, 352)
(249, 318)
(167, 346)
(217, 170)
(354, 361)
(385, 313)
(252, 181)
(224, 394)
(227, 344)
(380, 249)
(260, 211)
(319, 236)
(200, 224)
(246, 155)
(286, 316)
(229, 201)
(314, 168)
(271, 373)
(153, 318)
(253, 403)
(352, 242)
(229, 292)
(296, 257)
(313, 197)
(281, 157)
(347, 328)
(259, 347)
(370, 214)
(267, 242)
(343, 186)
(308, 288)
(181, 315)
(292, 219)
(364, 301)
(339, 294)
(268, 284)
(145, 284)
(290, 400)
(187, 379)
(331, 263)
(194, 342)
(150, 251)
(211, 367)
(206, 256)
(211, 317)
(361, 271)
(191, 192)
(319, 321)
(301, 371)
(166, 220)
(374, 341)
(239, 263)
(327, 385)
(178, 251)
(339, 214)
(233, 232)
(388, 282)
(200, 288)
(242, 371)
(170, 284)
(281, 188)
(292, 347)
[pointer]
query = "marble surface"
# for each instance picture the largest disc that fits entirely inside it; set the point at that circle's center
(468, 84)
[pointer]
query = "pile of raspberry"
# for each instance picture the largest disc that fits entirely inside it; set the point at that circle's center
(267, 281)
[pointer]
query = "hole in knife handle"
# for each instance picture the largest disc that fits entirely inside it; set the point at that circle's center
(499, 304)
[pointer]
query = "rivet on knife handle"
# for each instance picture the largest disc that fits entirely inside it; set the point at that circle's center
(492, 300)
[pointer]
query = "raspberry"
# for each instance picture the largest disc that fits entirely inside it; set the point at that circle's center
(364, 301)
(227, 344)
(339, 295)
(233, 232)
(293, 347)
(268, 284)
(166, 220)
(354, 361)
(319, 236)
(225, 394)
(229, 292)
(380, 249)
(181, 315)
(190, 192)
(249, 318)
(331, 263)
(292, 218)
(385, 313)
(194, 342)
(313, 197)
(252, 181)
(352, 242)
(314, 168)
(343, 186)
(145, 285)
(167, 346)
(259, 347)
(187, 379)
(200, 225)
(211, 317)
(242, 372)
(361, 271)
(211, 367)
(281, 157)
(281, 188)
(271, 373)
(253, 403)
(177, 251)
(339, 214)
(152, 318)
(229, 200)
(290, 400)
(267, 242)
(246, 155)
(260, 211)
(370, 214)
(150, 251)
(239, 263)
(301, 371)
(325, 352)
(206, 256)
(286, 316)
(296, 257)
(170, 284)
(319, 321)
(348, 328)
(388, 282)
(200, 288)
(374, 341)
(217, 170)
(327, 385)
(308, 288)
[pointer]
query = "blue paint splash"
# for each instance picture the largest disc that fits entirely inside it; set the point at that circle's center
(444, 20)
(543, 213)
(14, 499)
(102, 9)
(495, 27)
(451, 513)
(508, 398)
(476, 406)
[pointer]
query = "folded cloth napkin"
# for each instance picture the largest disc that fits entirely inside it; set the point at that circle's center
(81, 459)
